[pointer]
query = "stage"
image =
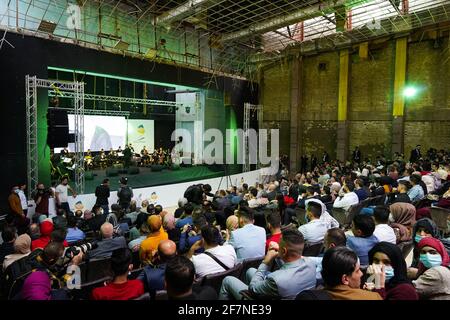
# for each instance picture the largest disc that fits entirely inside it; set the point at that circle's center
(147, 178)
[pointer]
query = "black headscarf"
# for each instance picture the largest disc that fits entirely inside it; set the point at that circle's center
(429, 225)
(397, 262)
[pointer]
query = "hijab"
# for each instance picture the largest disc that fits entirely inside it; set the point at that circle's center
(404, 215)
(438, 246)
(397, 262)
(22, 244)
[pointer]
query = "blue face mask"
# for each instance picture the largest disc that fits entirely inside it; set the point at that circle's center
(417, 238)
(388, 272)
(431, 260)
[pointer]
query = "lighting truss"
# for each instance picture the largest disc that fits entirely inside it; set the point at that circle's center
(248, 109)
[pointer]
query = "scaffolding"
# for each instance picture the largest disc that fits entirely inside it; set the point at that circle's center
(248, 110)
(76, 89)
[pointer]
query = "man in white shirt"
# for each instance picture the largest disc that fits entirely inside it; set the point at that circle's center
(216, 258)
(315, 229)
(383, 231)
(349, 198)
(23, 198)
(61, 194)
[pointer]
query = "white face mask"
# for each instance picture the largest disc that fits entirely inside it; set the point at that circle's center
(391, 218)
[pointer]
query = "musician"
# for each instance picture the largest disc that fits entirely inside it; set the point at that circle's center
(131, 147)
(145, 156)
(102, 158)
(88, 159)
(127, 154)
(64, 151)
(119, 150)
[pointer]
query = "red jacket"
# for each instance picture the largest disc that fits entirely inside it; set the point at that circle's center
(46, 232)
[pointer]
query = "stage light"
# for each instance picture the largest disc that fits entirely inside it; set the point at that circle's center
(410, 92)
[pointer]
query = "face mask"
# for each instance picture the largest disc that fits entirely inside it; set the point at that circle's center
(391, 218)
(431, 260)
(17, 191)
(388, 272)
(417, 238)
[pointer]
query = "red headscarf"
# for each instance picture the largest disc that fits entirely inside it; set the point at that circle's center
(438, 246)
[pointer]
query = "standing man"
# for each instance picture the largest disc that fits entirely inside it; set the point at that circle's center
(325, 157)
(127, 155)
(356, 155)
(41, 199)
(23, 198)
(102, 193)
(415, 154)
(124, 194)
(18, 217)
(61, 194)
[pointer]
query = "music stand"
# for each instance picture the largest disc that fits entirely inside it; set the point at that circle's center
(226, 176)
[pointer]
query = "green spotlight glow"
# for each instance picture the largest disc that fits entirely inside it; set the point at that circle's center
(410, 92)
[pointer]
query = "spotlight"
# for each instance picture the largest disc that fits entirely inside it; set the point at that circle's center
(410, 92)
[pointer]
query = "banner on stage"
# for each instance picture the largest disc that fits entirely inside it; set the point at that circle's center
(141, 133)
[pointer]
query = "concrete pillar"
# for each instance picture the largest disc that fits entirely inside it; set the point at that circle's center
(342, 128)
(295, 138)
(398, 132)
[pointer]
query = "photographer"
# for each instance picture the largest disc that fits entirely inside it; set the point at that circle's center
(47, 278)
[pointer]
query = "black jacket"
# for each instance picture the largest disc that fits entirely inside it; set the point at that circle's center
(102, 194)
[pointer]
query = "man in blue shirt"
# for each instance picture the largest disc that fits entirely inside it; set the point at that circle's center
(363, 240)
(73, 233)
(416, 192)
(187, 217)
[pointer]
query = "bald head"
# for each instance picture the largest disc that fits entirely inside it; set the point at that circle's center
(232, 222)
(272, 187)
(166, 250)
(107, 230)
(154, 222)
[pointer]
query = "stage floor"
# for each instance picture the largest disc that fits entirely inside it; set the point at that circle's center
(147, 178)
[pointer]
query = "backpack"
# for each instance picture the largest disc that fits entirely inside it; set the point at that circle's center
(16, 273)
(124, 194)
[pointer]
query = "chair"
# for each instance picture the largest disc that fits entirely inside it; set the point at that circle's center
(340, 215)
(440, 217)
(352, 212)
(145, 296)
(312, 249)
(215, 280)
(135, 273)
(98, 269)
(378, 200)
(329, 206)
(85, 291)
(300, 214)
(406, 247)
(135, 259)
(249, 263)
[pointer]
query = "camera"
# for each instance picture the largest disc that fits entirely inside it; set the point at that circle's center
(75, 250)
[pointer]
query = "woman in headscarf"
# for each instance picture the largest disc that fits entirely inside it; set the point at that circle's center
(422, 229)
(22, 248)
(403, 217)
(433, 280)
(397, 286)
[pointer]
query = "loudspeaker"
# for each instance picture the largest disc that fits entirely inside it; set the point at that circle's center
(118, 166)
(157, 168)
(112, 172)
(175, 167)
(133, 170)
(58, 128)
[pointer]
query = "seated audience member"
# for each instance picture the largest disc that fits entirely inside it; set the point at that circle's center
(134, 212)
(60, 221)
(444, 202)
(335, 237)
(326, 196)
(120, 288)
(73, 233)
(403, 217)
(187, 216)
(7, 247)
(156, 235)
(382, 230)
(253, 201)
(144, 206)
(34, 231)
(191, 234)
(397, 285)
(297, 273)
(39, 284)
(249, 240)
(315, 229)
(416, 192)
(341, 275)
(348, 198)
(325, 217)
(22, 248)
(423, 228)
(95, 219)
(363, 240)
(274, 225)
(46, 229)
(59, 235)
(215, 258)
(402, 192)
(153, 276)
(310, 194)
(433, 275)
(179, 278)
(134, 245)
(180, 210)
(169, 226)
(360, 191)
(108, 244)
